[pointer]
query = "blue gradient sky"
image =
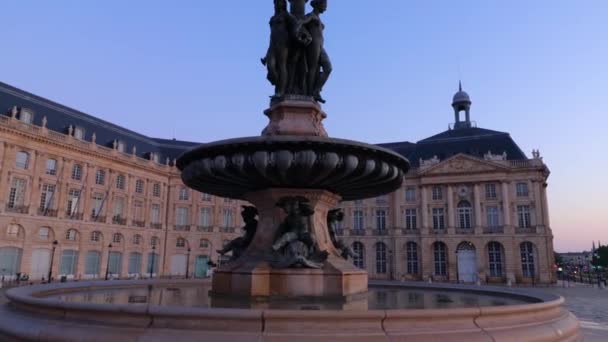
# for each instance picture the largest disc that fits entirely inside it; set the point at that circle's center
(536, 69)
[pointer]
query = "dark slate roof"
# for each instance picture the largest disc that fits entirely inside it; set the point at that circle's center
(60, 117)
(472, 141)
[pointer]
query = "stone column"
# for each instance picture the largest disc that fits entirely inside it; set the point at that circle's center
(129, 200)
(538, 208)
(451, 211)
(62, 187)
(5, 174)
(506, 208)
(424, 210)
(88, 198)
(477, 214)
(34, 194)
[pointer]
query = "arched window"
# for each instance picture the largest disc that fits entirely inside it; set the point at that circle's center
(495, 258)
(204, 243)
(152, 267)
(96, 236)
(359, 258)
(71, 235)
(69, 262)
(380, 258)
(44, 233)
(22, 160)
(13, 231)
(154, 241)
(10, 261)
(134, 263)
(441, 258)
(115, 263)
(181, 242)
(465, 215)
(527, 259)
(92, 263)
(411, 250)
(117, 238)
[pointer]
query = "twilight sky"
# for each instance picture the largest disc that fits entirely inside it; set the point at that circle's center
(190, 69)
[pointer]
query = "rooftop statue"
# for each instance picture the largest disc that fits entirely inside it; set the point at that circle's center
(296, 60)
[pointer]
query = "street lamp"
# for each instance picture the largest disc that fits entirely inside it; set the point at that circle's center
(188, 263)
(152, 264)
(108, 264)
(55, 243)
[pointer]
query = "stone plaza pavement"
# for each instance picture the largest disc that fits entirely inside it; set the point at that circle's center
(588, 303)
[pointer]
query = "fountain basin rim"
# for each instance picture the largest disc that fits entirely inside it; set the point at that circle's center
(34, 296)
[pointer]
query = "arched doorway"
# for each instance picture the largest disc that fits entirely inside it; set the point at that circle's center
(467, 262)
(201, 266)
(178, 265)
(41, 263)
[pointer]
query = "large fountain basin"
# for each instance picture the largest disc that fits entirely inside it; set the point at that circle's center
(32, 317)
(232, 168)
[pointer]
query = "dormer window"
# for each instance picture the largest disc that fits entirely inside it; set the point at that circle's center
(155, 157)
(121, 146)
(26, 116)
(79, 133)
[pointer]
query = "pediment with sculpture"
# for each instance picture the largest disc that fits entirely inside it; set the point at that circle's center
(462, 163)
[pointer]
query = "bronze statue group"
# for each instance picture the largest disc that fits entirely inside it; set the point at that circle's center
(296, 60)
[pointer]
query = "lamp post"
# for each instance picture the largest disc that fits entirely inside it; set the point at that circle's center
(153, 260)
(55, 243)
(108, 264)
(188, 263)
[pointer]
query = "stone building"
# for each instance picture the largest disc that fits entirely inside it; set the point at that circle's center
(95, 199)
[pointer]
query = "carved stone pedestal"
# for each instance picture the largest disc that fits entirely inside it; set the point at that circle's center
(253, 273)
(295, 117)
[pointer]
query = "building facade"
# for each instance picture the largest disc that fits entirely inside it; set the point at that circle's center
(85, 198)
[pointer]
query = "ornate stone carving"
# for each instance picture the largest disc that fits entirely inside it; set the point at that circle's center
(240, 244)
(495, 157)
(429, 162)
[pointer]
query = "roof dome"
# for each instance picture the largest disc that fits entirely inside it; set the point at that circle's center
(461, 97)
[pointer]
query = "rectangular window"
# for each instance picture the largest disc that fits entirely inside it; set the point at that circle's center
(381, 220)
(120, 182)
(22, 160)
(156, 190)
(51, 167)
(182, 218)
(227, 222)
(522, 189)
(358, 220)
(437, 193)
(155, 213)
(77, 172)
(119, 207)
(100, 177)
(492, 216)
(206, 197)
(410, 219)
(98, 199)
(491, 191)
(16, 195)
(138, 211)
(73, 199)
(44, 233)
(205, 217)
(523, 215)
(438, 218)
(139, 186)
(410, 194)
(184, 194)
(46, 196)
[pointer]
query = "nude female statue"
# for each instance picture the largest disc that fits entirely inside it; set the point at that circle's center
(278, 51)
(317, 57)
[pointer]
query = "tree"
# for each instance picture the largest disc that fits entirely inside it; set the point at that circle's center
(602, 253)
(559, 261)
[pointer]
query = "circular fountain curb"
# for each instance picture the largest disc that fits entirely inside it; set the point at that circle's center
(32, 318)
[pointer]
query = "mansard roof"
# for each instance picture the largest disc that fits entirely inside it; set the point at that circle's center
(471, 141)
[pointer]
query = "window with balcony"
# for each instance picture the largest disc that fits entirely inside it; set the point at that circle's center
(98, 199)
(491, 191)
(47, 195)
(205, 217)
(227, 218)
(410, 194)
(522, 189)
(438, 218)
(465, 213)
(73, 199)
(119, 209)
(206, 197)
(22, 160)
(524, 217)
(138, 213)
(437, 193)
(51, 167)
(410, 219)
(492, 216)
(358, 220)
(182, 216)
(100, 177)
(381, 220)
(77, 172)
(16, 196)
(155, 214)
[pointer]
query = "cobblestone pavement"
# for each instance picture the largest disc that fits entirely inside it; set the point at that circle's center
(589, 304)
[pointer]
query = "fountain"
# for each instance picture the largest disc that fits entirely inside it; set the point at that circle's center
(289, 277)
